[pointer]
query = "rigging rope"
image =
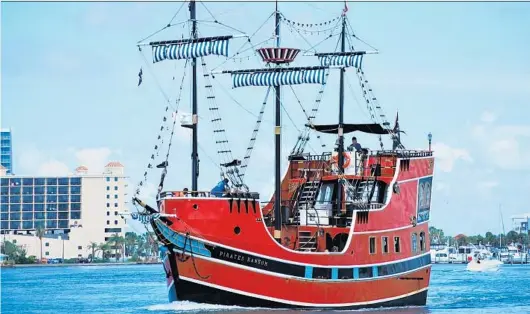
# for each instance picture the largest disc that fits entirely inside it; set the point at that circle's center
(164, 127)
(219, 132)
(250, 146)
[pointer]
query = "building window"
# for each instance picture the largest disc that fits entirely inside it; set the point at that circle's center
(108, 188)
(115, 204)
(108, 179)
(384, 244)
(115, 222)
(47, 253)
(422, 241)
(108, 196)
(46, 244)
(108, 213)
(116, 188)
(397, 246)
(115, 196)
(372, 245)
(108, 222)
(79, 247)
(115, 179)
(414, 243)
(115, 213)
(108, 204)
(113, 230)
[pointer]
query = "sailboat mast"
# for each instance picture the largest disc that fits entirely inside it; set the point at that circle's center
(195, 120)
(341, 114)
(277, 140)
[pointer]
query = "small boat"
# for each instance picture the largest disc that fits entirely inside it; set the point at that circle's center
(479, 264)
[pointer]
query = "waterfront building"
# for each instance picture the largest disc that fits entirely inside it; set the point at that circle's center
(6, 149)
(74, 211)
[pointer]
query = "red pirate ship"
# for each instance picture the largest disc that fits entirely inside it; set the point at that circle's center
(346, 228)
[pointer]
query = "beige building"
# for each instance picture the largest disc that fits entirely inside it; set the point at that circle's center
(74, 210)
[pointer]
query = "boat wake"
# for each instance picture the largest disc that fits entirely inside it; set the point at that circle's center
(192, 307)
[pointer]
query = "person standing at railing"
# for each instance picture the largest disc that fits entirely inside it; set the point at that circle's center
(221, 188)
(354, 145)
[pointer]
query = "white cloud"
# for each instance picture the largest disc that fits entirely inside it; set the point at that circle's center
(446, 156)
(504, 144)
(33, 161)
(94, 159)
(53, 168)
(488, 117)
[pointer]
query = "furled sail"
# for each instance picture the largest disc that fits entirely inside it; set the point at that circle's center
(190, 48)
(345, 59)
(279, 76)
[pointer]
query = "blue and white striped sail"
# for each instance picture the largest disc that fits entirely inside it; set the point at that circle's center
(355, 60)
(189, 50)
(278, 78)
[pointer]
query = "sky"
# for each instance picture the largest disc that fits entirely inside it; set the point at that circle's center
(458, 70)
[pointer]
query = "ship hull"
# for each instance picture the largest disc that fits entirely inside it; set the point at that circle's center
(219, 251)
(211, 289)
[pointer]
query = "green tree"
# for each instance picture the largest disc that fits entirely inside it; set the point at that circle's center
(131, 243)
(95, 248)
(39, 232)
(118, 242)
(104, 248)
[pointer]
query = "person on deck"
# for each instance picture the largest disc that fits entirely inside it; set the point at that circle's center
(220, 188)
(354, 145)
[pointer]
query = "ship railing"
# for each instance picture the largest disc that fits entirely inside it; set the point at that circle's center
(206, 194)
(402, 153)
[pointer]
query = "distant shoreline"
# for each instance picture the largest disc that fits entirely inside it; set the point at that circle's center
(78, 264)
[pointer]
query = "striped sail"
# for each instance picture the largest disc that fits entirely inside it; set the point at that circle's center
(338, 60)
(290, 77)
(190, 50)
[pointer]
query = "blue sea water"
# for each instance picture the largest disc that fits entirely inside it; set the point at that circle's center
(141, 289)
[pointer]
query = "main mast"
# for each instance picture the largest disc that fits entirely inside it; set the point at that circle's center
(195, 119)
(277, 140)
(341, 115)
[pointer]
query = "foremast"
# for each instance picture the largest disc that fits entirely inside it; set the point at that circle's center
(277, 143)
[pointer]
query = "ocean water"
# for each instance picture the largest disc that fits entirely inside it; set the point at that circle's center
(141, 289)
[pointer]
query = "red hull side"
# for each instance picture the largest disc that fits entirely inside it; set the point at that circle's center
(236, 226)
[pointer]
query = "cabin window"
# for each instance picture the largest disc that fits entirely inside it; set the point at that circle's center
(397, 245)
(414, 243)
(422, 241)
(325, 194)
(384, 244)
(372, 245)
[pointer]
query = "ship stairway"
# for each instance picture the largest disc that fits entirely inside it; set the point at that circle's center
(307, 197)
(307, 241)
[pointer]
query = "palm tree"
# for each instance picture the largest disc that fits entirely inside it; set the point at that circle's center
(94, 247)
(131, 240)
(104, 248)
(118, 242)
(39, 232)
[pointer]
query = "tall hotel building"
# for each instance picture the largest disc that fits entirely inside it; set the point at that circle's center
(73, 210)
(6, 150)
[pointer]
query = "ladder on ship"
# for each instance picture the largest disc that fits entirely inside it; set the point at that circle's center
(307, 197)
(307, 241)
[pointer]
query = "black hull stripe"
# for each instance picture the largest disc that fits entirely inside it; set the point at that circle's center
(309, 272)
(189, 291)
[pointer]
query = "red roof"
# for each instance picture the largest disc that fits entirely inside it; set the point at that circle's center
(114, 164)
(81, 168)
(2, 167)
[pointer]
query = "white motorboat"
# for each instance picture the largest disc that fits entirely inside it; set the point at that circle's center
(481, 263)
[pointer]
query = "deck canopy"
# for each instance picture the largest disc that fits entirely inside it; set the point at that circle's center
(371, 128)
